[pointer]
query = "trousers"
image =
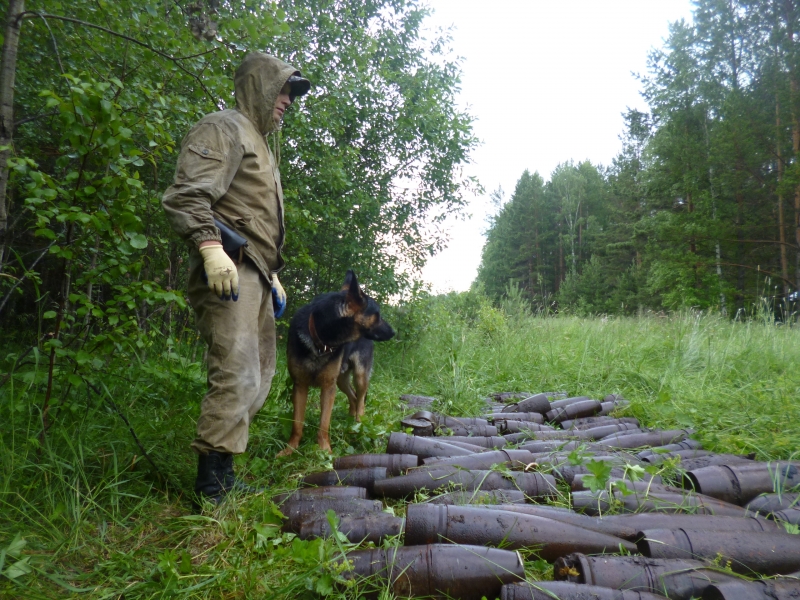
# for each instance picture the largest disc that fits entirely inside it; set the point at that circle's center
(241, 356)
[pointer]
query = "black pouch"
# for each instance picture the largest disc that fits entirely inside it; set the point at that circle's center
(232, 242)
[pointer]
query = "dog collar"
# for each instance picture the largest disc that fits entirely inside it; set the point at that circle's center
(319, 345)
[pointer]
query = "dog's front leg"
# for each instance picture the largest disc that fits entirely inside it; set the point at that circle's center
(299, 400)
(362, 383)
(326, 397)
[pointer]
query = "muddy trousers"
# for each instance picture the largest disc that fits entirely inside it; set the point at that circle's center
(241, 357)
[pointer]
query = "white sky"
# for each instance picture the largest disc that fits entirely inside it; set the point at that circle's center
(547, 81)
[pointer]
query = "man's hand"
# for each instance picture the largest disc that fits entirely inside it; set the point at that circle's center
(222, 275)
(278, 297)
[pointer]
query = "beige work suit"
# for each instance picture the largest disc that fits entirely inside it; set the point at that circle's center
(226, 171)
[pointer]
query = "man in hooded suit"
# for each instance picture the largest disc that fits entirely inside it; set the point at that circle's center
(227, 182)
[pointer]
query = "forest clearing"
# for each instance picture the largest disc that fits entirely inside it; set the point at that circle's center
(666, 281)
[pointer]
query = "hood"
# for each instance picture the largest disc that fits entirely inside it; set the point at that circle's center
(257, 83)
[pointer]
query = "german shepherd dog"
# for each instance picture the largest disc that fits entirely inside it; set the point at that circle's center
(329, 339)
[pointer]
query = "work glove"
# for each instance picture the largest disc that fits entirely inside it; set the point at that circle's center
(278, 297)
(221, 273)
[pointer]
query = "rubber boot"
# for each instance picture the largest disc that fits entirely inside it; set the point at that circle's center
(234, 484)
(211, 479)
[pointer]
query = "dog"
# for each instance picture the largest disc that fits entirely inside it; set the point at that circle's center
(329, 340)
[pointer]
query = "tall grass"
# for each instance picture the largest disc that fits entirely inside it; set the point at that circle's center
(83, 514)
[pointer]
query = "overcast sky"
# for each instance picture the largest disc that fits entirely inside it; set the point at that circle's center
(547, 81)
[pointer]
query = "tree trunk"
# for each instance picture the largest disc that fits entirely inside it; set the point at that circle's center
(794, 87)
(781, 218)
(8, 68)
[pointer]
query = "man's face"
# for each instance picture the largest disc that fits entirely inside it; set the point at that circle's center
(282, 103)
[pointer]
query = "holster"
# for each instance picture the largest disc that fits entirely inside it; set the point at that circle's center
(232, 242)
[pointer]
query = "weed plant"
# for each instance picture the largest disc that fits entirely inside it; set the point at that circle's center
(88, 510)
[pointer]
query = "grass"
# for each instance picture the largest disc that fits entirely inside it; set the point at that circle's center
(83, 514)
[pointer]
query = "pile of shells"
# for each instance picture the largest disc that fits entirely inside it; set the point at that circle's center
(482, 488)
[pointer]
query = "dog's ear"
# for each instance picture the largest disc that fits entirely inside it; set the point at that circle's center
(355, 297)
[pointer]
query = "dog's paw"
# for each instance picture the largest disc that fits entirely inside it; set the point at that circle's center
(285, 452)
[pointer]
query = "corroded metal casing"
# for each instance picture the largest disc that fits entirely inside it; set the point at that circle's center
(574, 410)
(578, 483)
(629, 526)
(688, 444)
(419, 427)
(690, 464)
(543, 434)
(466, 430)
(415, 401)
(567, 401)
(402, 443)
(664, 502)
(787, 515)
(511, 426)
(538, 403)
(534, 485)
(365, 477)
(471, 447)
(773, 589)
(465, 572)
(304, 510)
(527, 417)
(747, 552)
(597, 421)
(395, 464)
(681, 454)
(651, 438)
(596, 433)
(481, 497)
(428, 524)
(766, 503)
(507, 397)
(548, 590)
(478, 440)
(676, 579)
(447, 421)
(485, 460)
(327, 491)
(373, 527)
(538, 446)
(740, 483)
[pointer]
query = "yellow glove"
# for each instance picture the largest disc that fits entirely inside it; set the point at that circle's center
(222, 275)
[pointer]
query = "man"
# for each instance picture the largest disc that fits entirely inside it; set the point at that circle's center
(227, 188)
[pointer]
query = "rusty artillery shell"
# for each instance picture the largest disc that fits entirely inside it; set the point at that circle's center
(481, 497)
(395, 464)
(402, 443)
(414, 401)
(465, 572)
(365, 478)
(596, 433)
(681, 454)
(512, 426)
(373, 527)
(578, 483)
(425, 415)
(419, 427)
(538, 446)
(766, 553)
(596, 503)
(567, 401)
(446, 421)
(690, 464)
(740, 483)
(428, 524)
(544, 434)
(648, 483)
(687, 444)
(589, 422)
(327, 491)
(787, 515)
(535, 404)
(478, 440)
(676, 579)
(766, 503)
(773, 589)
(484, 460)
(509, 397)
(651, 438)
(467, 430)
(529, 417)
(629, 526)
(471, 447)
(575, 410)
(303, 510)
(534, 485)
(562, 590)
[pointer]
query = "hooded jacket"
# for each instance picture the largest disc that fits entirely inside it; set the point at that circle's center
(226, 170)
